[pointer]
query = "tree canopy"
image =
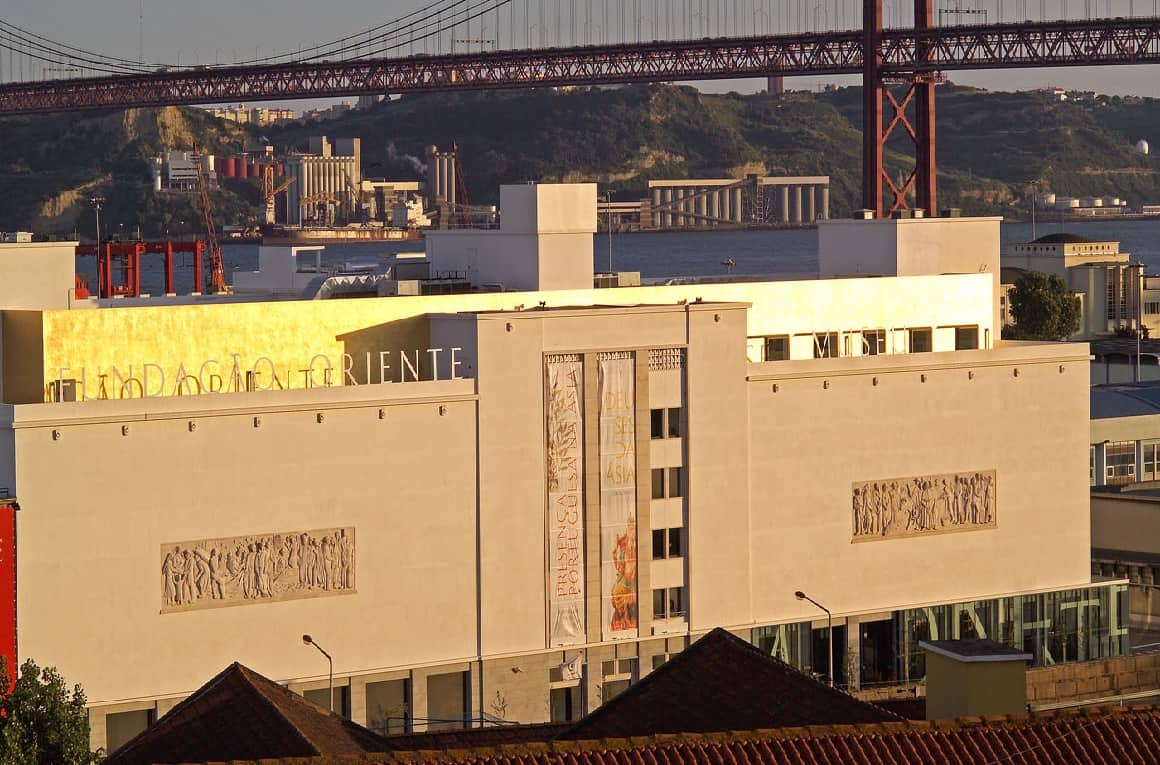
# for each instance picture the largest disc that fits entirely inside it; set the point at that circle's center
(1043, 307)
(42, 722)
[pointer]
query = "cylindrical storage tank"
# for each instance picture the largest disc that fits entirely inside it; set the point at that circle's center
(280, 170)
(796, 203)
(667, 215)
(1046, 199)
(1142, 146)
(1072, 202)
(227, 167)
(1110, 201)
(155, 171)
(811, 204)
(737, 210)
(824, 213)
(1092, 202)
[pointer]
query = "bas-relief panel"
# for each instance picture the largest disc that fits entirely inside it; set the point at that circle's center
(922, 505)
(234, 571)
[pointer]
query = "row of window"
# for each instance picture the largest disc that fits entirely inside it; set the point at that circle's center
(826, 345)
(1120, 463)
(666, 423)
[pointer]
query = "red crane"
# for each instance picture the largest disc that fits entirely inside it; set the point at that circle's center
(217, 267)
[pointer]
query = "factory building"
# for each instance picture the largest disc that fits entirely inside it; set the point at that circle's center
(327, 181)
(442, 176)
(513, 504)
(698, 203)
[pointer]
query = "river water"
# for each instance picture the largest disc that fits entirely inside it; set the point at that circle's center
(682, 254)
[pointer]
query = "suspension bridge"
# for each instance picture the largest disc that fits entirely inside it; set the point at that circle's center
(901, 49)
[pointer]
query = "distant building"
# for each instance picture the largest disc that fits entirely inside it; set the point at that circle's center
(1108, 282)
(327, 181)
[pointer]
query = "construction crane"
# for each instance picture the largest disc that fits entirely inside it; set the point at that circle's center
(355, 196)
(313, 202)
(217, 268)
(269, 191)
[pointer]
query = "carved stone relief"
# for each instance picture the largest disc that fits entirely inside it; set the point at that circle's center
(234, 571)
(921, 505)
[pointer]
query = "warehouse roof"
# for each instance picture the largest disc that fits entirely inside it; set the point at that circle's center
(1125, 400)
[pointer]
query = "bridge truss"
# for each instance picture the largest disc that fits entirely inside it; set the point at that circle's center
(913, 57)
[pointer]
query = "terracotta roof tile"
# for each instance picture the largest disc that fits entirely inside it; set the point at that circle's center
(748, 689)
(240, 714)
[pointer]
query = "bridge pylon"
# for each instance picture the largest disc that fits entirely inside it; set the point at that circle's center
(899, 92)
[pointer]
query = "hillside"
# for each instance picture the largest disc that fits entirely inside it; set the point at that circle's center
(992, 147)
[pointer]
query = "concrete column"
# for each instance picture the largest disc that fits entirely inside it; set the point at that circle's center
(683, 207)
(358, 700)
(824, 212)
(726, 204)
(783, 204)
(738, 211)
(419, 700)
(702, 207)
(811, 208)
(797, 204)
(853, 652)
(714, 205)
(667, 215)
(656, 201)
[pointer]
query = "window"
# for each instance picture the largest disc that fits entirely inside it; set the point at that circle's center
(320, 697)
(389, 706)
(1151, 470)
(660, 417)
(668, 543)
(776, 348)
(673, 487)
(659, 547)
(669, 603)
(920, 341)
(966, 338)
(617, 676)
(1120, 462)
(565, 703)
(1092, 465)
(121, 727)
(825, 345)
(447, 701)
(873, 342)
(1152, 308)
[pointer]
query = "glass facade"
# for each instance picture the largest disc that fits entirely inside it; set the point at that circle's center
(1054, 627)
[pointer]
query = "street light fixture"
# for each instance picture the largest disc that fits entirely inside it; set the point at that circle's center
(829, 629)
(310, 641)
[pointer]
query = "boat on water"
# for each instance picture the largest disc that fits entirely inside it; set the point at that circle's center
(324, 234)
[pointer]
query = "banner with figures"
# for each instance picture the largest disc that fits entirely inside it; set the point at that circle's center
(618, 556)
(564, 402)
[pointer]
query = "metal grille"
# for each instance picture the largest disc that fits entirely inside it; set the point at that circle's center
(561, 358)
(610, 355)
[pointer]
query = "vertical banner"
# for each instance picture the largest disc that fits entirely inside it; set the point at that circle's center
(565, 472)
(8, 587)
(618, 495)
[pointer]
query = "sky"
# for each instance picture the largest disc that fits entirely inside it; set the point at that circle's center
(220, 31)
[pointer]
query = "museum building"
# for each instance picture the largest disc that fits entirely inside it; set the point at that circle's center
(512, 504)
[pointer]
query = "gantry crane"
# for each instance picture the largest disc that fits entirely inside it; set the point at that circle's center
(217, 269)
(269, 192)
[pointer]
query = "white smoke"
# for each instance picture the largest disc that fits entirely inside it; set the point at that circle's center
(416, 164)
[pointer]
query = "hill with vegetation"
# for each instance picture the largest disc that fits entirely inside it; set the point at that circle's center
(994, 148)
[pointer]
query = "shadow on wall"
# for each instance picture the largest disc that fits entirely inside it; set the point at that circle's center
(396, 351)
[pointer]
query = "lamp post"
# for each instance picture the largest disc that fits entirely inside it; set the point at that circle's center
(310, 641)
(829, 629)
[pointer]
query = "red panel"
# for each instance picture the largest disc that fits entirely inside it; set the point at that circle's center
(8, 586)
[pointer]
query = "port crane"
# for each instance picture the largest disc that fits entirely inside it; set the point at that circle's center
(217, 269)
(270, 191)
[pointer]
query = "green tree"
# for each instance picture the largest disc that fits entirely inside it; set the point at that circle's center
(42, 722)
(1043, 307)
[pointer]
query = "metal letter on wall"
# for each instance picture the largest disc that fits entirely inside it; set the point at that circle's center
(618, 495)
(922, 505)
(235, 571)
(565, 471)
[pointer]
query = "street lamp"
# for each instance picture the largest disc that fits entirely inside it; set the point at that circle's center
(608, 207)
(829, 629)
(310, 641)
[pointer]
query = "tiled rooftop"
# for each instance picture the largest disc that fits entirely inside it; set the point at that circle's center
(722, 683)
(1093, 736)
(240, 714)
